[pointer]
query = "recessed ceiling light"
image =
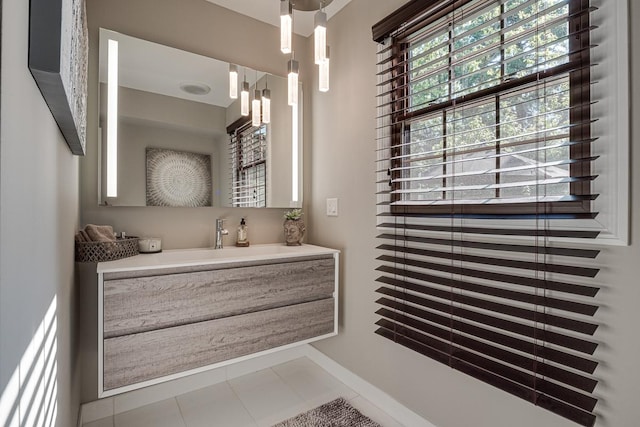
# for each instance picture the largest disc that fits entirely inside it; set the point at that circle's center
(195, 88)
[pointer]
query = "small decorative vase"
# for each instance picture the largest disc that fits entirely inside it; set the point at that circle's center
(294, 231)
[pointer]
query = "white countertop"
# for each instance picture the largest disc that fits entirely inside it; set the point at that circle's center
(206, 256)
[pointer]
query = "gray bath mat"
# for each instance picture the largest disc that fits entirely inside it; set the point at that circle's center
(338, 413)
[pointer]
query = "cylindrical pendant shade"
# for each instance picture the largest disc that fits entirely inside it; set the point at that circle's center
(323, 74)
(293, 67)
(233, 81)
(266, 106)
(286, 26)
(244, 99)
(320, 36)
(255, 108)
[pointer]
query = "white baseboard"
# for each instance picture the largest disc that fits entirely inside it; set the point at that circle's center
(113, 405)
(401, 413)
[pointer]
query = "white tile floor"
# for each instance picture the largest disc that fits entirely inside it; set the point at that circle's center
(259, 399)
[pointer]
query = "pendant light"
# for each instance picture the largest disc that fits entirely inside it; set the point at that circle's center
(320, 35)
(244, 97)
(292, 79)
(255, 107)
(321, 50)
(233, 81)
(323, 74)
(286, 26)
(266, 103)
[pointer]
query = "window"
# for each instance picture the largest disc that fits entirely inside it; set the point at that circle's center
(489, 109)
(486, 112)
(249, 166)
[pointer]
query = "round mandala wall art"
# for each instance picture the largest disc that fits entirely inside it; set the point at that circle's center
(178, 178)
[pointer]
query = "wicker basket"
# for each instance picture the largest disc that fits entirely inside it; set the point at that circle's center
(106, 251)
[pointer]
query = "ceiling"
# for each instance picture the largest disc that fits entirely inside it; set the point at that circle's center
(269, 11)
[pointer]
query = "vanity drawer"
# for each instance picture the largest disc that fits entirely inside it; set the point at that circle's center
(134, 305)
(145, 356)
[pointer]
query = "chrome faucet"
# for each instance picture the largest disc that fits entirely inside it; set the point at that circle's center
(220, 232)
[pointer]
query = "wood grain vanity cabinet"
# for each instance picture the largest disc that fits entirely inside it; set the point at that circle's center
(161, 322)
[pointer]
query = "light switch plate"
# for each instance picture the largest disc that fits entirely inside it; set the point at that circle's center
(332, 207)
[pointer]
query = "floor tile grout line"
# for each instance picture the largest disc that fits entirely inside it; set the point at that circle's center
(235, 393)
(184, 422)
(287, 384)
(323, 370)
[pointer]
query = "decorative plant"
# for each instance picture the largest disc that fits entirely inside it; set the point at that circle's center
(293, 214)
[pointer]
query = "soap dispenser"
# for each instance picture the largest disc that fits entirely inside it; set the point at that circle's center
(242, 234)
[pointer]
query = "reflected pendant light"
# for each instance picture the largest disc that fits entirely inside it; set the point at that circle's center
(244, 98)
(320, 36)
(266, 105)
(323, 74)
(292, 79)
(255, 108)
(233, 81)
(286, 26)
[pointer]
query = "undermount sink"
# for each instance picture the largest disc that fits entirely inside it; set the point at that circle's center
(201, 256)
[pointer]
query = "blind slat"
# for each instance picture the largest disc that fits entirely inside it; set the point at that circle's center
(543, 266)
(546, 301)
(479, 187)
(558, 339)
(494, 48)
(554, 405)
(532, 248)
(553, 285)
(582, 401)
(498, 307)
(545, 352)
(541, 165)
(494, 155)
(500, 88)
(531, 382)
(493, 231)
(531, 364)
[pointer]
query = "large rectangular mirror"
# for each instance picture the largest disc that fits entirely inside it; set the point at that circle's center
(171, 135)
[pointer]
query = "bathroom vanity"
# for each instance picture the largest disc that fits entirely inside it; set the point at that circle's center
(167, 315)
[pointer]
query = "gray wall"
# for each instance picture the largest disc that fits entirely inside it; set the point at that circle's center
(206, 29)
(152, 120)
(39, 209)
(137, 136)
(343, 165)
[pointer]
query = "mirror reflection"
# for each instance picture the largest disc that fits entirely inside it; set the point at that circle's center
(172, 135)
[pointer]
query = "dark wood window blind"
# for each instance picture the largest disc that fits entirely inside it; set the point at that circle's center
(483, 148)
(248, 151)
(487, 108)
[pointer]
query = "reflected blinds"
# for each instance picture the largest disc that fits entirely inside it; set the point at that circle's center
(484, 137)
(247, 152)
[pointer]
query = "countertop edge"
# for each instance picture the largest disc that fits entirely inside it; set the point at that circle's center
(155, 261)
